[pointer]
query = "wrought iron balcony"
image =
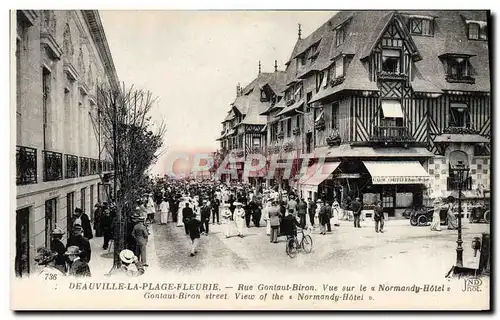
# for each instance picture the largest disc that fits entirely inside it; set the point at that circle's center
(93, 166)
(84, 167)
(336, 81)
(71, 166)
(453, 185)
(25, 165)
(454, 129)
(391, 134)
(52, 166)
(387, 75)
(281, 134)
(460, 79)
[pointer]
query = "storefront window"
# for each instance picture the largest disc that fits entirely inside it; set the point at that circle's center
(370, 199)
(404, 199)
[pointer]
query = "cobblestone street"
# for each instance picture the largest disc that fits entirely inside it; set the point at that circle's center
(361, 251)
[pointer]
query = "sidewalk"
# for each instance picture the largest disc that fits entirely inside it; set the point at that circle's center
(101, 261)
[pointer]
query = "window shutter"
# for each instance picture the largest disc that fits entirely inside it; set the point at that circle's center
(339, 67)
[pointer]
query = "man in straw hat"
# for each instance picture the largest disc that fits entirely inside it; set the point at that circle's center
(130, 265)
(78, 267)
(58, 247)
(47, 258)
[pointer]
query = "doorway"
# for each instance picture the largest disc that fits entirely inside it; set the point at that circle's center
(82, 199)
(91, 209)
(70, 208)
(22, 260)
(50, 219)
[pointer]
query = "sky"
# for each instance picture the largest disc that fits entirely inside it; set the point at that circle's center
(193, 60)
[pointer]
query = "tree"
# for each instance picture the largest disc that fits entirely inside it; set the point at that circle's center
(127, 135)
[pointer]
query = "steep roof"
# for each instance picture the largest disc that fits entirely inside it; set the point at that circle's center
(447, 40)
(428, 74)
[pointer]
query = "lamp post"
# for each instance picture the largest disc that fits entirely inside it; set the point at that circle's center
(459, 175)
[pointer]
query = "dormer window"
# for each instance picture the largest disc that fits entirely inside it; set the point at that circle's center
(422, 26)
(477, 30)
(263, 96)
(339, 36)
(458, 69)
(391, 61)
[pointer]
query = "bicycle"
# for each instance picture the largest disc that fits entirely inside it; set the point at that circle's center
(293, 245)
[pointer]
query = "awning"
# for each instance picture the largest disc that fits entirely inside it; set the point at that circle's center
(392, 109)
(322, 173)
(397, 172)
(291, 107)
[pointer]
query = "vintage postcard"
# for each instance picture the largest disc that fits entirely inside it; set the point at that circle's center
(251, 160)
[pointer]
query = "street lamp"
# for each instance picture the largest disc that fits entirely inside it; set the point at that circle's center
(459, 174)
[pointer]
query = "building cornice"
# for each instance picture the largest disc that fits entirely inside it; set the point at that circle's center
(50, 44)
(94, 24)
(29, 16)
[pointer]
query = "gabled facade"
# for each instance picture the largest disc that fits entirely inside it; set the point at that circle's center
(372, 91)
(245, 128)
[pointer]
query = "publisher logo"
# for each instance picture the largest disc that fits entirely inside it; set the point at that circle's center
(472, 285)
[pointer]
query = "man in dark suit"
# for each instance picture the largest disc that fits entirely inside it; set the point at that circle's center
(312, 211)
(187, 214)
(356, 210)
(378, 216)
(58, 246)
(302, 211)
(80, 241)
(84, 222)
(78, 267)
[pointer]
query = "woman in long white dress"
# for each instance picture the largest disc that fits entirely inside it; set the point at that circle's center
(436, 219)
(265, 215)
(182, 205)
(226, 220)
(335, 220)
(239, 218)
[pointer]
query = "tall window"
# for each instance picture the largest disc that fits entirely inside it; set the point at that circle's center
(18, 91)
(297, 121)
(255, 141)
(339, 67)
(45, 101)
(339, 36)
(422, 26)
(274, 131)
(391, 61)
(459, 115)
(82, 199)
(282, 126)
(289, 127)
(335, 115)
(473, 31)
(308, 98)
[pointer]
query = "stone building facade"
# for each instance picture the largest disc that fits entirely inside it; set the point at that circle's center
(60, 57)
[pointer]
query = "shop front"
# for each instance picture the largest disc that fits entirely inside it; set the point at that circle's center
(398, 184)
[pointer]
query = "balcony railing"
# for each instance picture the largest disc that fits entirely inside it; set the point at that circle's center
(460, 79)
(71, 166)
(93, 166)
(454, 129)
(84, 167)
(392, 134)
(453, 185)
(386, 75)
(52, 166)
(25, 165)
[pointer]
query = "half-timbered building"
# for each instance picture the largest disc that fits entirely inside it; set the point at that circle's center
(404, 93)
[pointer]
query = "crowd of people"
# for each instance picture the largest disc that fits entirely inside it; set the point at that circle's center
(239, 206)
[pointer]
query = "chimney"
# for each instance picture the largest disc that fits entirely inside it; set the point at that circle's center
(300, 31)
(238, 90)
(275, 65)
(259, 67)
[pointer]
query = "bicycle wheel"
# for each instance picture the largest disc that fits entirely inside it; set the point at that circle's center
(307, 243)
(291, 248)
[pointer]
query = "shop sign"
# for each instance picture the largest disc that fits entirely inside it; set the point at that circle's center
(347, 176)
(400, 180)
